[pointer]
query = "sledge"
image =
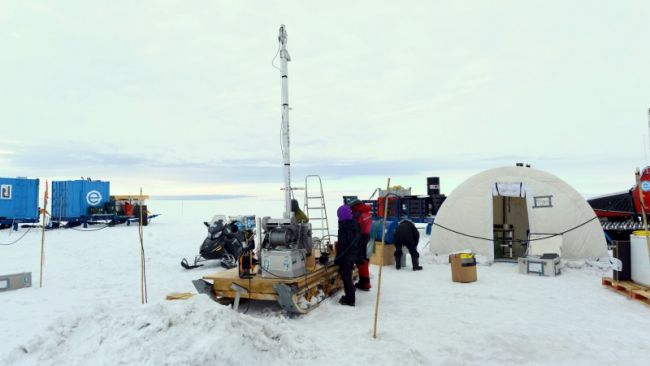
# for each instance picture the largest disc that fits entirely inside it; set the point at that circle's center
(297, 295)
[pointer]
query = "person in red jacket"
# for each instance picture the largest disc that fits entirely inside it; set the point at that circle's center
(361, 214)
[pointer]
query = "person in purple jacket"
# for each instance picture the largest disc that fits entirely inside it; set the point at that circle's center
(346, 252)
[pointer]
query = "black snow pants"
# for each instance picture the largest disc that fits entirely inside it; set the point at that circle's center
(412, 247)
(345, 268)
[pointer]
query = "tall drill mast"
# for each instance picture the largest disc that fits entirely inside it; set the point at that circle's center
(284, 58)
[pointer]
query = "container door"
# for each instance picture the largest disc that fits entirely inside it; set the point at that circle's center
(6, 198)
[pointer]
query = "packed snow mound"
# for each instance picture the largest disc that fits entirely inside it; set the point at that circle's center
(192, 332)
(199, 332)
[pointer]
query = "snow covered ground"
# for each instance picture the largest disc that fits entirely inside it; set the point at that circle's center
(89, 311)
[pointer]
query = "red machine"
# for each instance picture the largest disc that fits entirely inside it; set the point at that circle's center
(645, 189)
(621, 213)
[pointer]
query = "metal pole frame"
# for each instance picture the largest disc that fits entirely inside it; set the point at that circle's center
(286, 157)
(44, 212)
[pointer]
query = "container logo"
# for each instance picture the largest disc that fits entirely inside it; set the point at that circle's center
(645, 186)
(93, 198)
(5, 192)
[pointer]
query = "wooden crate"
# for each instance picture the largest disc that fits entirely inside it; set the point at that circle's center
(388, 253)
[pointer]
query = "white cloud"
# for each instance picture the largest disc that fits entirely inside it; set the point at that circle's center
(187, 88)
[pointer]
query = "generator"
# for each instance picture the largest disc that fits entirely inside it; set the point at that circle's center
(285, 247)
(283, 263)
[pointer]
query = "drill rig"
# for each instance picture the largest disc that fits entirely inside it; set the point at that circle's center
(286, 242)
(286, 270)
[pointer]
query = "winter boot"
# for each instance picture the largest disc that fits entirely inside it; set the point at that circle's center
(416, 263)
(363, 284)
(398, 261)
(344, 301)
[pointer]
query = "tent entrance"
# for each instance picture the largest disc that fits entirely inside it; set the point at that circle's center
(510, 227)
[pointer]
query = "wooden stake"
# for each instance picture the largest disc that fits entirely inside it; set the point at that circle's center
(44, 212)
(143, 275)
(643, 207)
(381, 265)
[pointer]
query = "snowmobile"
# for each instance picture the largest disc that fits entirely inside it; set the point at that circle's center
(225, 242)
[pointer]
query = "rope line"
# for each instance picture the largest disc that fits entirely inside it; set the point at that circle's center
(19, 239)
(101, 228)
(517, 240)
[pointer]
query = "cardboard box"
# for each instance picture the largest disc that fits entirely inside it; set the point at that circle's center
(463, 267)
(385, 250)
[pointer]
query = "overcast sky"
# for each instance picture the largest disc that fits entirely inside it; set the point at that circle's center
(180, 97)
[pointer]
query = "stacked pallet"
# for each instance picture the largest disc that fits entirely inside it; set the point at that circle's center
(630, 289)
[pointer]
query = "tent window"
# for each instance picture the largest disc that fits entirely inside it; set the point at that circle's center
(508, 189)
(543, 201)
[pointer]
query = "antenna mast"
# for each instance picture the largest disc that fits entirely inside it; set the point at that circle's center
(284, 58)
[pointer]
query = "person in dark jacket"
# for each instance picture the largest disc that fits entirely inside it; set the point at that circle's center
(407, 235)
(363, 218)
(300, 216)
(346, 252)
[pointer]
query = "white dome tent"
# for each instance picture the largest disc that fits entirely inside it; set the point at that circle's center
(520, 203)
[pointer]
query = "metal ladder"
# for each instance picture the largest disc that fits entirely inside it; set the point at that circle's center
(315, 209)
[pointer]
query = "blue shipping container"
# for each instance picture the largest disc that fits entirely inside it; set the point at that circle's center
(18, 199)
(72, 199)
